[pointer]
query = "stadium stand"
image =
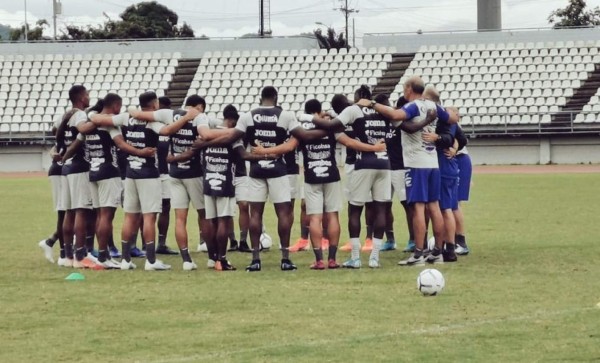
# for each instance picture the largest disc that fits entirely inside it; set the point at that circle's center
(517, 84)
(34, 88)
(494, 84)
(237, 77)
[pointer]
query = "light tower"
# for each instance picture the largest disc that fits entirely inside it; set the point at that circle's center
(489, 15)
(264, 9)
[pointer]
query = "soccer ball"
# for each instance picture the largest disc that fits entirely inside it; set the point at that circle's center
(430, 282)
(266, 241)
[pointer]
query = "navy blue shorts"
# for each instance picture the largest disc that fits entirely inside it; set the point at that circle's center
(422, 185)
(449, 194)
(465, 170)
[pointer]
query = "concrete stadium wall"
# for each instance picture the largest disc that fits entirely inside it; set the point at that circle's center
(24, 158)
(190, 48)
(535, 150)
(483, 151)
(410, 43)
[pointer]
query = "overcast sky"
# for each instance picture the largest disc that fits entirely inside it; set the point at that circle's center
(230, 18)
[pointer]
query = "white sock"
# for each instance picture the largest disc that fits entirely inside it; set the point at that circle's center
(355, 255)
(377, 242)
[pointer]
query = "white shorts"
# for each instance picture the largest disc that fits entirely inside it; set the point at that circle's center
(142, 196)
(79, 191)
(398, 185)
(216, 207)
(184, 191)
(57, 191)
(165, 187)
(322, 198)
(277, 189)
(348, 170)
(106, 193)
(369, 184)
(241, 188)
(294, 186)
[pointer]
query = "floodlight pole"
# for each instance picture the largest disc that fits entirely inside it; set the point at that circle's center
(54, 13)
(26, 26)
(347, 13)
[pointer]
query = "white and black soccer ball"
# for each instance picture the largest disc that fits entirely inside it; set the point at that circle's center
(266, 241)
(430, 282)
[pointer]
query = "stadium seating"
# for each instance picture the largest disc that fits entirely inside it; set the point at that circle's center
(34, 88)
(495, 84)
(237, 77)
(492, 84)
(591, 111)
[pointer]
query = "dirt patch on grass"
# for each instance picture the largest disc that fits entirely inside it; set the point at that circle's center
(24, 174)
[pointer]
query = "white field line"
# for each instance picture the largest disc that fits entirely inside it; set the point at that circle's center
(433, 329)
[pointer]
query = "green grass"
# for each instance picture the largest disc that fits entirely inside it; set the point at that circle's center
(527, 293)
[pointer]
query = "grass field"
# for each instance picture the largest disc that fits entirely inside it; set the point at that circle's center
(527, 293)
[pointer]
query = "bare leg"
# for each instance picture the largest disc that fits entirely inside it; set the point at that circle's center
(285, 219)
(256, 214)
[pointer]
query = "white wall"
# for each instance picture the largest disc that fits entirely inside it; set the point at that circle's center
(190, 48)
(535, 150)
(483, 151)
(410, 43)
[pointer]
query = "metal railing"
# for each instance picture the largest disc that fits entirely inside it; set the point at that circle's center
(562, 122)
(467, 31)
(506, 127)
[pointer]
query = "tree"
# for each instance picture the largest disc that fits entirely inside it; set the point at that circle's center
(331, 40)
(35, 33)
(143, 20)
(575, 14)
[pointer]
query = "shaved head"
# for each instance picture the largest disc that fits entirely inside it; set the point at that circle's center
(432, 94)
(413, 88)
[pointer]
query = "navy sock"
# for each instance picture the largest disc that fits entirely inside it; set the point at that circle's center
(150, 251)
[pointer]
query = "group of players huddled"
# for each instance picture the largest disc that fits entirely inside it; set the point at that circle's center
(153, 159)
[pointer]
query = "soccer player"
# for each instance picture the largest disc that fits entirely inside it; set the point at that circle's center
(162, 151)
(394, 148)
(465, 169)
(447, 140)
(219, 196)
(240, 182)
(142, 181)
(423, 178)
(78, 199)
(322, 179)
(371, 177)
(106, 187)
(269, 126)
(185, 170)
(238, 154)
(55, 176)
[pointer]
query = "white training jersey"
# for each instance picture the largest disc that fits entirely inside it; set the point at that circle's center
(416, 152)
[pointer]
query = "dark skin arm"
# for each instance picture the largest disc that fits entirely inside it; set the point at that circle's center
(301, 133)
(244, 154)
(125, 147)
(184, 156)
(177, 125)
(86, 127)
(72, 149)
(461, 138)
(334, 125)
(226, 137)
(360, 146)
(101, 119)
(284, 148)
